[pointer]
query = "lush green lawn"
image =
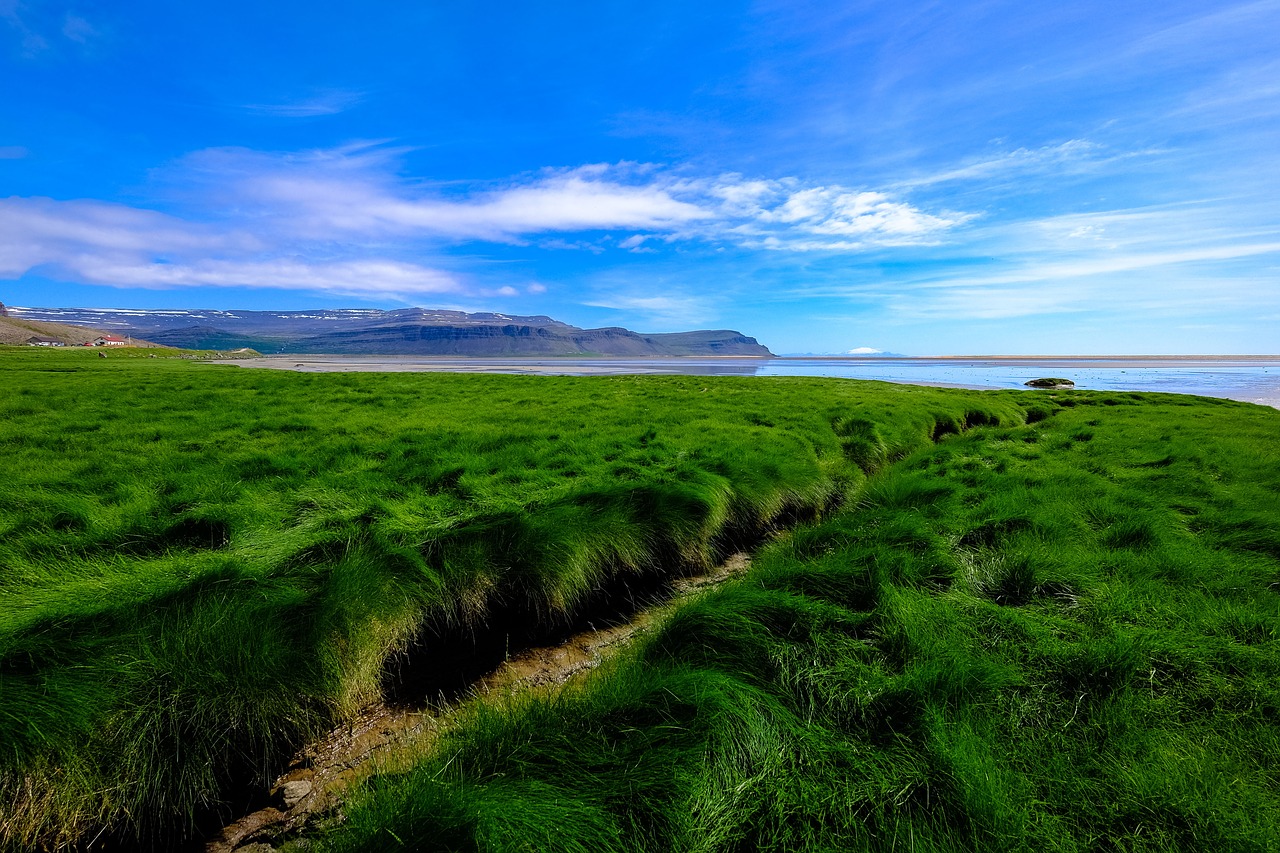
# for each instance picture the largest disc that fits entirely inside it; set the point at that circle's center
(1045, 621)
(202, 566)
(1055, 636)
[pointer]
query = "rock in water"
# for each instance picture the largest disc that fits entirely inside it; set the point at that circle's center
(1050, 382)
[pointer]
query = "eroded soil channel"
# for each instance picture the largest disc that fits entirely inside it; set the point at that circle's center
(431, 679)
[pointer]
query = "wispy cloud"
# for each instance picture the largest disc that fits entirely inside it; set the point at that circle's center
(671, 310)
(13, 152)
(77, 29)
(1121, 262)
(1071, 157)
(1242, 95)
(1158, 260)
(32, 42)
(1215, 31)
(364, 278)
(345, 221)
(38, 38)
(40, 230)
(324, 103)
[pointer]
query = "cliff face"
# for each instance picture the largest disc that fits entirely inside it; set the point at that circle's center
(413, 331)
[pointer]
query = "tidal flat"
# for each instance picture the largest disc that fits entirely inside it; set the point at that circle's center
(1251, 379)
(972, 620)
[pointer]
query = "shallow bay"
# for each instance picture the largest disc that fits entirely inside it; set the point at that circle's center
(1252, 379)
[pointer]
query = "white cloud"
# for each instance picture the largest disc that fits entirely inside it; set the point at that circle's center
(333, 200)
(785, 215)
(121, 246)
(864, 351)
(576, 203)
(13, 152)
(806, 204)
(868, 214)
(741, 197)
(353, 193)
(343, 221)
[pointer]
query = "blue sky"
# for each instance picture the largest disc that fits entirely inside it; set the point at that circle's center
(918, 177)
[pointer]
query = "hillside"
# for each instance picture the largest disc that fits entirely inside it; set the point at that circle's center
(14, 331)
(409, 331)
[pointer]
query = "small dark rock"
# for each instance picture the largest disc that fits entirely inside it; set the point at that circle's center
(1050, 382)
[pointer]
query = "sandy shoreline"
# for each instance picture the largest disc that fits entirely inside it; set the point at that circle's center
(605, 364)
(449, 364)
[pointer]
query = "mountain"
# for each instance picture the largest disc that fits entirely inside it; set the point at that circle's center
(407, 331)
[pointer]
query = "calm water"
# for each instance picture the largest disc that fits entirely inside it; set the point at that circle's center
(1254, 379)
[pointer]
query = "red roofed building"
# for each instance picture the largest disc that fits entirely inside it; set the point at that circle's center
(110, 341)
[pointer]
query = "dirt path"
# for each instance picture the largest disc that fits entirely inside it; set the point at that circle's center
(320, 773)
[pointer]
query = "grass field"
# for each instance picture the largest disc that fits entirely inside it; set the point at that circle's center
(1001, 620)
(1059, 636)
(203, 566)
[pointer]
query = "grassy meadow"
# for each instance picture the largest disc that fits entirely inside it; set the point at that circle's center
(995, 620)
(1055, 636)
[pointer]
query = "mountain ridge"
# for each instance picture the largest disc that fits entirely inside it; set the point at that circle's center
(405, 331)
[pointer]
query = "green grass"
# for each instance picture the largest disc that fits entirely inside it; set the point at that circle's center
(204, 566)
(1062, 636)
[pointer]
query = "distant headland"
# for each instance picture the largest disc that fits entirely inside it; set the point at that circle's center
(408, 331)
